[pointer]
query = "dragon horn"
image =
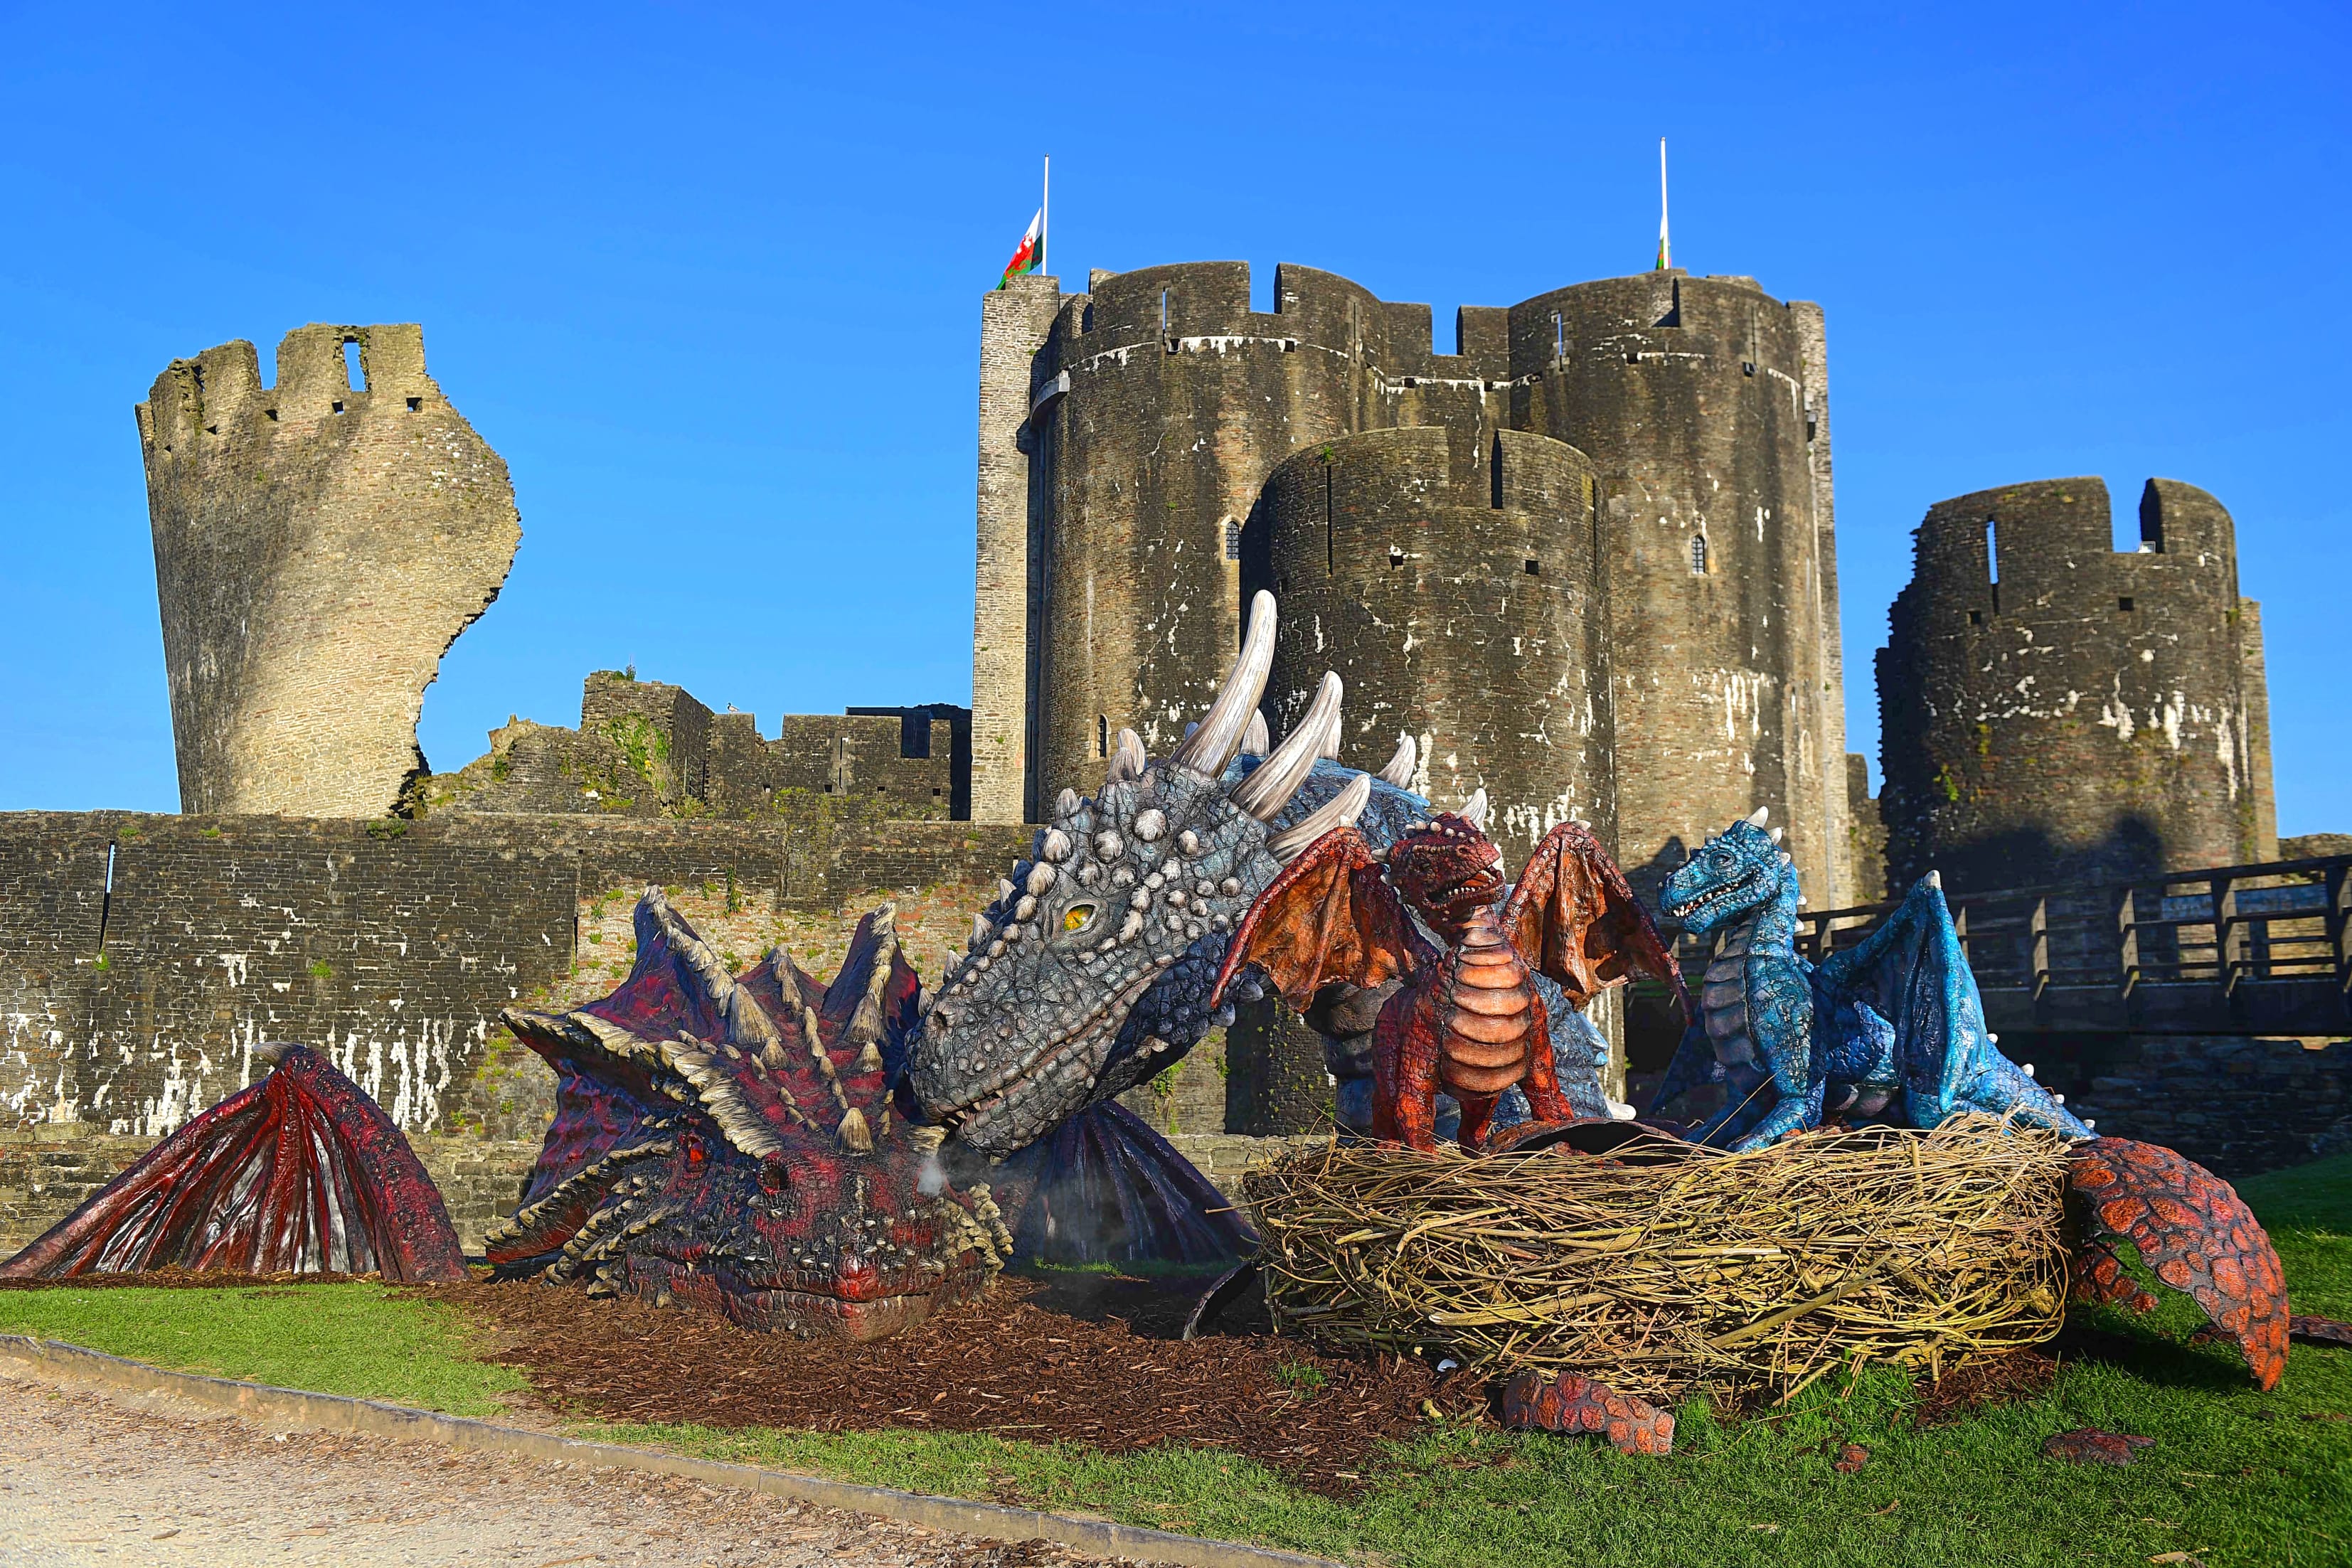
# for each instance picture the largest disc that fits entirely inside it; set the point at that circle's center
(1266, 793)
(747, 1022)
(1776, 835)
(1208, 748)
(1126, 759)
(1757, 816)
(1257, 741)
(1399, 771)
(1474, 810)
(1339, 811)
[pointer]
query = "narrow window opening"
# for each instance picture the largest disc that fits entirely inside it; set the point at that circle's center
(1535, 569)
(1411, 382)
(1233, 539)
(1164, 338)
(1976, 617)
(1558, 339)
(338, 408)
(1495, 476)
(1992, 562)
(1396, 555)
(354, 365)
(106, 902)
(272, 413)
(1698, 554)
(416, 403)
(1330, 545)
(1102, 735)
(2125, 603)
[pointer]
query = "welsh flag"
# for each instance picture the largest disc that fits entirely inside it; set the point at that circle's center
(1031, 253)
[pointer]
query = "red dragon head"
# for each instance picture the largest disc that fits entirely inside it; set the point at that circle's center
(1446, 870)
(729, 1143)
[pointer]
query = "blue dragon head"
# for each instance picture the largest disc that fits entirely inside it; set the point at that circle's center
(1740, 869)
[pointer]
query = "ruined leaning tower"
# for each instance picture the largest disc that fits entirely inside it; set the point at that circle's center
(2055, 711)
(319, 545)
(1588, 559)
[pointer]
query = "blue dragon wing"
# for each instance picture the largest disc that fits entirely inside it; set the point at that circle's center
(1913, 973)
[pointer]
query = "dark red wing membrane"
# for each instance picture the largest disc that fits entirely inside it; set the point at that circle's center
(1103, 1188)
(298, 1174)
(2193, 1231)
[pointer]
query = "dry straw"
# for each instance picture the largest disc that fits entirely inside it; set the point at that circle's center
(1664, 1265)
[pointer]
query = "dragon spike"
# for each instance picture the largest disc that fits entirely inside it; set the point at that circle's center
(1066, 804)
(1339, 811)
(1208, 748)
(1776, 835)
(1332, 745)
(1474, 810)
(1256, 740)
(865, 1024)
(1126, 759)
(1757, 818)
(1266, 793)
(746, 1022)
(1934, 879)
(856, 1136)
(1400, 767)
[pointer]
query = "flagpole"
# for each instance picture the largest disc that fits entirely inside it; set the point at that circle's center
(1665, 244)
(1046, 214)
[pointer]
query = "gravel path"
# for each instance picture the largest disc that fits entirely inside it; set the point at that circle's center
(92, 1475)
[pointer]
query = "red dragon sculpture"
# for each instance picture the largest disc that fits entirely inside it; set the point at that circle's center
(1467, 1019)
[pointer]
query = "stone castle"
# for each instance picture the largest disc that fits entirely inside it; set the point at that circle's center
(1587, 561)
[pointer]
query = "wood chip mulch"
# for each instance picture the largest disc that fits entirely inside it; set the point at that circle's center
(1094, 1361)
(1984, 1386)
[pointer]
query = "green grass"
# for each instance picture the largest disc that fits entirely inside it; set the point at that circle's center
(357, 1339)
(2236, 1476)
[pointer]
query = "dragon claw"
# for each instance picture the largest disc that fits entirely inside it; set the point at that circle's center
(1567, 1402)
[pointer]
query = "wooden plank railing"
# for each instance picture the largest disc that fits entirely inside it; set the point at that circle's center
(2262, 949)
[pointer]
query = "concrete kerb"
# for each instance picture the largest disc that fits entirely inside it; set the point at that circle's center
(334, 1412)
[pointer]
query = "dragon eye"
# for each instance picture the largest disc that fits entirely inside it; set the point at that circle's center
(1077, 917)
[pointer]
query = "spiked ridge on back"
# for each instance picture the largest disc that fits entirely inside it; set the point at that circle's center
(730, 1142)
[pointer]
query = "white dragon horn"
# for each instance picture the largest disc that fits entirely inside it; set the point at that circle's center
(1265, 792)
(1339, 811)
(1208, 748)
(1776, 835)
(1758, 816)
(1126, 759)
(1256, 740)
(1400, 767)
(1474, 810)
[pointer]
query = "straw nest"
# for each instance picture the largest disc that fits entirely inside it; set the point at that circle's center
(1662, 1264)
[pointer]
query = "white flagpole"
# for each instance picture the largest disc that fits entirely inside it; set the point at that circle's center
(1665, 244)
(1046, 214)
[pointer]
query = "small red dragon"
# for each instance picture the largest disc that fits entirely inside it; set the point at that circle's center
(1467, 1019)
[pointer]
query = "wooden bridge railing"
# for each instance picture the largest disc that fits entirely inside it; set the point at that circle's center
(2242, 949)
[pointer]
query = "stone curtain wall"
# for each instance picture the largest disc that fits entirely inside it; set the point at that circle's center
(392, 945)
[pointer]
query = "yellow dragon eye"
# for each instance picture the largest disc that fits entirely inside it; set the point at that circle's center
(1077, 916)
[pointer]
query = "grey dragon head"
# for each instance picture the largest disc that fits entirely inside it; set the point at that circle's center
(1740, 869)
(1091, 971)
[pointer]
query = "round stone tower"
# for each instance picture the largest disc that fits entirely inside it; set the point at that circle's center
(2055, 711)
(1702, 404)
(1456, 589)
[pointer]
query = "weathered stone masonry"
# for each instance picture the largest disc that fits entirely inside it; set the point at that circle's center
(131, 1004)
(1611, 502)
(319, 545)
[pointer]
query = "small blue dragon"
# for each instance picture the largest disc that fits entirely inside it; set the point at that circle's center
(1891, 1028)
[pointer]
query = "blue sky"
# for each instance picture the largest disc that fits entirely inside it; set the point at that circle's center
(709, 280)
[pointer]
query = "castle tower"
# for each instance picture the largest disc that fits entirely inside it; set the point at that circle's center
(1703, 404)
(319, 545)
(2055, 711)
(1159, 408)
(1458, 590)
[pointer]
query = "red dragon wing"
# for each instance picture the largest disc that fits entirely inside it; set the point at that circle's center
(301, 1173)
(1328, 917)
(2193, 1230)
(1573, 917)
